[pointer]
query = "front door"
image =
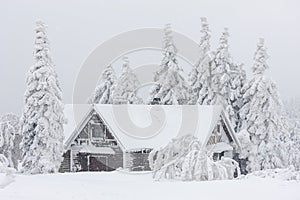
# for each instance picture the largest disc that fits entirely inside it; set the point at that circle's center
(98, 163)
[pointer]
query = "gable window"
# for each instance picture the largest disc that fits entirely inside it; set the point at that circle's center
(84, 133)
(83, 141)
(97, 131)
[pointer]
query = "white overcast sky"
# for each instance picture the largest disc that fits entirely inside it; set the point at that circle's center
(77, 27)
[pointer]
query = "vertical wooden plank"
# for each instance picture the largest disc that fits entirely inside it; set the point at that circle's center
(71, 160)
(88, 162)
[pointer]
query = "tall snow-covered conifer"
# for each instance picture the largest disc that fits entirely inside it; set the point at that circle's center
(200, 74)
(261, 116)
(223, 82)
(42, 119)
(221, 70)
(125, 91)
(215, 75)
(170, 87)
(103, 92)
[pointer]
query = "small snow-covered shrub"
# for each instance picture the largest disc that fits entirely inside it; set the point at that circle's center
(184, 159)
(199, 166)
(9, 172)
(3, 163)
(7, 137)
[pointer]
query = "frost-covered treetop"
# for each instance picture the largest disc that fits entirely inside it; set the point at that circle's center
(41, 47)
(108, 73)
(205, 37)
(223, 50)
(126, 86)
(103, 92)
(224, 38)
(169, 50)
(169, 60)
(43, 65)
(168, 44)
(204, 44)
(128, 73)
(170, 86)
(125, 67)
(129, 76)
(260, 58)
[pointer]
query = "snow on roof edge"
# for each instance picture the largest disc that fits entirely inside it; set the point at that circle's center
(105, 110)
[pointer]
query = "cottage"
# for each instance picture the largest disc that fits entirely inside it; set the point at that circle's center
(108, 137)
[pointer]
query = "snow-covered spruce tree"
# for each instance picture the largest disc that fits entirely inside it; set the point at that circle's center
(207, 94)
(221, 71)
(261, 116)
(125, 91)
(170, 86)
(292, 115)
(198, 77)
(103, 92)
(235, 100)
(42, 119)
(222, 81)
(215, 75)
(184, 159)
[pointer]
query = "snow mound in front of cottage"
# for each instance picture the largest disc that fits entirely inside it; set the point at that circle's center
(285, 174)
(119, 185)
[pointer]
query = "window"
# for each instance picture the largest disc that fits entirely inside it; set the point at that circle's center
(84, 133)
(83, 141)
(218, 156)
(97, 131)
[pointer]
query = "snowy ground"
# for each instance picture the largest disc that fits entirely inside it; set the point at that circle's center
(117, 185)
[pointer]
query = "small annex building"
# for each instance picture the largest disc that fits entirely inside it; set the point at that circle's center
(104, 137)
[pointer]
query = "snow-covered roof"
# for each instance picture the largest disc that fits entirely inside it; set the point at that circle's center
(96, 150)
(75, 114)
(146, 126)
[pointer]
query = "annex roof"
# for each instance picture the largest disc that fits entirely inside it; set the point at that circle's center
(97, 150)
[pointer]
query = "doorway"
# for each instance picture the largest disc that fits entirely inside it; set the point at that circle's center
(98, 163)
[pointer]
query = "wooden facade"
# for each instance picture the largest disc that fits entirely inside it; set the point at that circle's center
(137, 160)
(66, 163)
(219, 135)
(94, 149)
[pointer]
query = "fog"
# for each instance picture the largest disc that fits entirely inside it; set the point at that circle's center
(76, 28)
